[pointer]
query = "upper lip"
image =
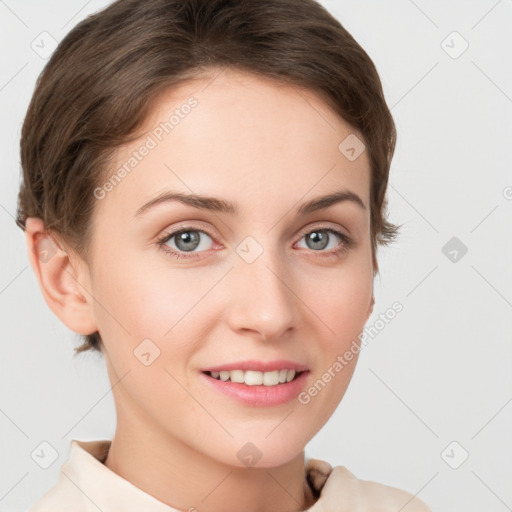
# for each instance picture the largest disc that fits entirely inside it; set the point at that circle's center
(261, 366)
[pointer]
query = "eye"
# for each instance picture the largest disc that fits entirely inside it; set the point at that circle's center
(321, 237)
(187, 240)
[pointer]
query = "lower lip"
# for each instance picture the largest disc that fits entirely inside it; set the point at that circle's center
(260, 396)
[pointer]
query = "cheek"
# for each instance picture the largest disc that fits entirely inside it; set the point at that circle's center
(143, 317)
(340, 301)
(135, 303)
(342, 304)
(136, 300)
(346, 308)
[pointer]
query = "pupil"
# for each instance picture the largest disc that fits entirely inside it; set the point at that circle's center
(185, 238)
(319, 239)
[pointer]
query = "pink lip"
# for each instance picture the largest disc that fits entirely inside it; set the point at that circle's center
(259, 396)
(259, 366)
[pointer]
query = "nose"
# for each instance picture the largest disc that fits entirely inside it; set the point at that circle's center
(261, 295)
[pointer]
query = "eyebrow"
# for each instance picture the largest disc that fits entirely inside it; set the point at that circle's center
(220, 205)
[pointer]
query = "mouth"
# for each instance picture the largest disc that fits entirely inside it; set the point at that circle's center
(256, 378)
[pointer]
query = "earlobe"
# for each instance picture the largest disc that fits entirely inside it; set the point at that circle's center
(370, 309)
(62, 284)
(375, 271)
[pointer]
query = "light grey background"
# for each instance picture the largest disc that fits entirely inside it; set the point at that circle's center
(439, 372)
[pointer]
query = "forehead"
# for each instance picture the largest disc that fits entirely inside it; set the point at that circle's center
(242, 137)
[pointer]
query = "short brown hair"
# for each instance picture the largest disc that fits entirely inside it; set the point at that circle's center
(100, 83)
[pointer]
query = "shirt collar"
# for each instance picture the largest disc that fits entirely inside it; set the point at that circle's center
(99, 488)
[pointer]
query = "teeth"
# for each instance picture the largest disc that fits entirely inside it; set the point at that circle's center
(236, 376)
(290, 375)
(255, 378)
(271, 378)
(252, 378)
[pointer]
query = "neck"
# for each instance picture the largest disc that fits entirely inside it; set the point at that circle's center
(182, 477)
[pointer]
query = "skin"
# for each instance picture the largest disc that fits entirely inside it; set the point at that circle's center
(270, 147)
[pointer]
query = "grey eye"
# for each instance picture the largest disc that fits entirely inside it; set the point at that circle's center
(189, 240)
(319, 239)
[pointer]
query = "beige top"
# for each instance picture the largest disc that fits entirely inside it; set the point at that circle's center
(85, 484)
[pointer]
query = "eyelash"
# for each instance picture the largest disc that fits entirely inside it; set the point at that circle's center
(346, 243)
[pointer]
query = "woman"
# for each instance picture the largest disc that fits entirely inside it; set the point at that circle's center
(203, 197)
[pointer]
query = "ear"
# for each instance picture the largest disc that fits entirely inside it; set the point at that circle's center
(370, 308)
(375, 271)
(64, 284)
(375, 264)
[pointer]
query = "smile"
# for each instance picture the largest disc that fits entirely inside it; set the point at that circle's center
(255, 378)
(257, 388)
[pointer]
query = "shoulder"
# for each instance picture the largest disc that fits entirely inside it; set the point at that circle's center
(58, 499)
(342, 486)
(62, 497)
(392, 498)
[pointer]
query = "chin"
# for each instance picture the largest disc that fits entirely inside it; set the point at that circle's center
(260, 453)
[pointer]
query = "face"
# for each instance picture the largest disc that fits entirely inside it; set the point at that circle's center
(250, 278)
